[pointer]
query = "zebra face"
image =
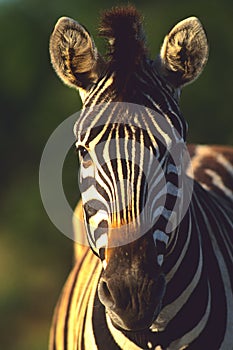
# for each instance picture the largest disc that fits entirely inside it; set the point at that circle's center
(129, 171)
(126, 172)
(114, 195)
(126, 177)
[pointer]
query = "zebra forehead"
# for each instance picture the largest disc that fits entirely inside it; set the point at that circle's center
(128, 118)
(108, 113)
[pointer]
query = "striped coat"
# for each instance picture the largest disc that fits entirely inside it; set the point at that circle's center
(158, 292)
(79, 312)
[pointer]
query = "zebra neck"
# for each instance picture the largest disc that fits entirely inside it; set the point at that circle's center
(197, 276)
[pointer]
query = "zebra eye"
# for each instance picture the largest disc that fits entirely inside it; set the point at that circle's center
(83, 154)
(82, 151)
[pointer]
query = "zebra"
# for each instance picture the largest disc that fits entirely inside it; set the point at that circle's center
(159, 290)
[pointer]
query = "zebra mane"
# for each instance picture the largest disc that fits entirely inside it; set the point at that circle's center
(122, 26)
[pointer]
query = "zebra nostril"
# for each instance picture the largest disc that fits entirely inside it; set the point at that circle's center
(105, 294)
(106, 290)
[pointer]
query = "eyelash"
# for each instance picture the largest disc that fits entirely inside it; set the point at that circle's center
(81, 151)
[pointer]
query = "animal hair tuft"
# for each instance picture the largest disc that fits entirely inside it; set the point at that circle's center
(122, 26)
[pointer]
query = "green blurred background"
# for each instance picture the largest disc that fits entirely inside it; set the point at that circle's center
(34, 257)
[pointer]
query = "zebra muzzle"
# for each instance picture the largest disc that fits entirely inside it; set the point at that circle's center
(132, 301)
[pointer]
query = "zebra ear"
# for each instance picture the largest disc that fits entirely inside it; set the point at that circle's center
(184, 52)
(74, 55)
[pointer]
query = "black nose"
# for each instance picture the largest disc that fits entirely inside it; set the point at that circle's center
(104, 293)
(113, 294)
(132, 304)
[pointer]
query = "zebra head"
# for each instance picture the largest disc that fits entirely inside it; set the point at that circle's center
(130, 137)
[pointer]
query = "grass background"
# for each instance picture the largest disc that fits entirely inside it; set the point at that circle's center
(34, 257)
